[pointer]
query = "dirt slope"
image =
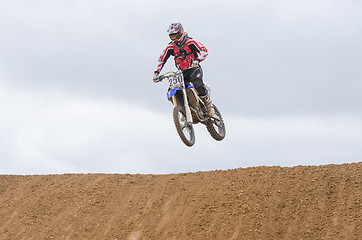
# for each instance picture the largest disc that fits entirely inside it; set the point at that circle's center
(314, 202)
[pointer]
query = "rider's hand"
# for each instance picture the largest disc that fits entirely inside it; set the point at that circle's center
(195, 64)
(155, 77)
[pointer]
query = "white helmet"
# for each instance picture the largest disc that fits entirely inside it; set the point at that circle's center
(176, 32)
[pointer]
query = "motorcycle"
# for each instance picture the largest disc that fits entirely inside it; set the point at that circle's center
(189, 109)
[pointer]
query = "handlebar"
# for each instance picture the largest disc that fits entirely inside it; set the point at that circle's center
(165, 75)
(168, 74)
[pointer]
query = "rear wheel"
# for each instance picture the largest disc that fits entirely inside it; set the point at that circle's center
(215, 125)
(184, 129)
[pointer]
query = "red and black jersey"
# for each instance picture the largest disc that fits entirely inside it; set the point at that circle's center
(184, 56)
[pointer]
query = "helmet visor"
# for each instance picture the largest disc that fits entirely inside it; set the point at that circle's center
(175, 36)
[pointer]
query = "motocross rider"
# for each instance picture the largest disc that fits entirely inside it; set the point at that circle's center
(187, 53)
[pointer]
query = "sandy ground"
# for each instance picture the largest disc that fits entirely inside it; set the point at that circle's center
(304, 202)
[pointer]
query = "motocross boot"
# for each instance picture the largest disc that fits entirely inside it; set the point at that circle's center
(210, 109)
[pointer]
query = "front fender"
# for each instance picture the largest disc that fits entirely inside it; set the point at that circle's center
(173, 91)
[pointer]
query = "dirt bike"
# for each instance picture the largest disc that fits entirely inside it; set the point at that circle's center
(189, 109)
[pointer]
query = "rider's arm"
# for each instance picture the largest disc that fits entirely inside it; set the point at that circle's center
(163, 58)
(199, 50)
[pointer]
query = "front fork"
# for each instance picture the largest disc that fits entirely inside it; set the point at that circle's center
(186, 104)
(187, 107)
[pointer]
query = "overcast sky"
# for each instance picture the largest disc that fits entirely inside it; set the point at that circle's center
(77, 96)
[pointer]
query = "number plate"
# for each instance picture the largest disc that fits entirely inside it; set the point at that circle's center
(176, 80)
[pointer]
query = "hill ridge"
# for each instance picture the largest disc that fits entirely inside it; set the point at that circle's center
(302, 202)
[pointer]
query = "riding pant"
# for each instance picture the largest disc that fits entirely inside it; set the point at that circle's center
(195, 75)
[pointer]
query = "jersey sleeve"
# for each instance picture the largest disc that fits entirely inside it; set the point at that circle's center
(166, 53)
(199, 50)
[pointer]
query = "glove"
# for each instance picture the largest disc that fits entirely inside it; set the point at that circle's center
(195, 64)
(155, 77)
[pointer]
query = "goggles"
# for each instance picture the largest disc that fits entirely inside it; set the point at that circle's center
(174, 36)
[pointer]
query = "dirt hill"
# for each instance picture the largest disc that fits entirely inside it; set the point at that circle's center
(304, 202)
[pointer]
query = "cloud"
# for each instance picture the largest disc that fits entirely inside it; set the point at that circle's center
(49, 132)
(290, 141)
(56, 133)
(299, 57)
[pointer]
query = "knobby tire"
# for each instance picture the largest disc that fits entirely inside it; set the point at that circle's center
(211, 129)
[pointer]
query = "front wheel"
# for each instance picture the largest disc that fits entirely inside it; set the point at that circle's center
(184, 129)
(216, 127)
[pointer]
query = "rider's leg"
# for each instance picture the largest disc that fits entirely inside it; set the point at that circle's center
(208, 104)
(196, 79)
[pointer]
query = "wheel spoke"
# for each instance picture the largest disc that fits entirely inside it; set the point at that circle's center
(217, 123)
(216, 126)
(216, 117)
(184, 129)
